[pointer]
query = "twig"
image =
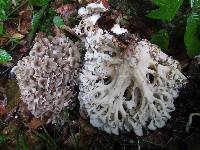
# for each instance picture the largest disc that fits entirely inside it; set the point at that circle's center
(189, 123)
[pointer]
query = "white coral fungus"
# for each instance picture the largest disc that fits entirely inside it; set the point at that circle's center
(130, 90)
(117, 30)
(48, 75)
(89, 15)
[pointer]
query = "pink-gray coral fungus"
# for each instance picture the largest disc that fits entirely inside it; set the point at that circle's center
(48, 75)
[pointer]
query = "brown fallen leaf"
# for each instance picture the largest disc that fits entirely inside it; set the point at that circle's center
(68, 29)
(25, 21)
(3, 111)
(23, 49)
(87, 132)
(11, 26)
(31, 139)
(105, 3)
(87, 128)
(73, 141)
(24, 113)
(3, 40)
(35, 123)
(56, 3)
(67, 9)
(83, 113)
(13, 94)
(3, 97)
(17, 36)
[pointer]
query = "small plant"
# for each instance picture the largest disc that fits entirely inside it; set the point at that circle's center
(47, 23)
(4, 56)
(39, 2)
(58, 21)
(166, 12)
(3, 138)
(46, 138)
(5, 6)
(36, 20)
(161, 38)
(167, 9)
(192, 34)
(21, 140)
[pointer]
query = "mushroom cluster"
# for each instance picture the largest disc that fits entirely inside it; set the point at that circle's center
(125, 88)
(47, 76)
(126, 83)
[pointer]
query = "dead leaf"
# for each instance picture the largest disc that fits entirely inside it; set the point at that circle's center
(25, 21)
(87, 132)
(3, 111)
(83, 113)
(56, 4)
(87, 128)
(67, 9)
(73, 140)
(105, 3)
(3, 41)
(23, 49)
(13, 94)
(40, 35)
(24, 113)
(3, 101)
(11, 26)
(68, 29)
(35, 123)
(3, 97)
(31, 139)
(17, 36)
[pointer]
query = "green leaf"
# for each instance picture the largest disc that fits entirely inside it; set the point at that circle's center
(160, 2)
(50, 138)
(4, 8)
(161, 38)
(4, 56)
(35, 23)
(3, 138)
(195, 4)
(39, 2)
(47, 23)
(191, 37)
(45, 137)
(58, 21)
(167, 9)
(1, 28)
(23, 142)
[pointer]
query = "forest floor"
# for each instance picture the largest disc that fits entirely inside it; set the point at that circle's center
(20, 130)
